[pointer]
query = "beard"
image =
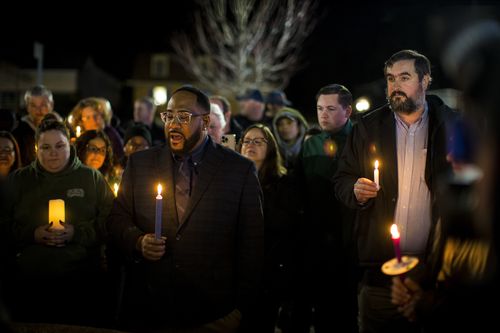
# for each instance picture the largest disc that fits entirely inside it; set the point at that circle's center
(404, 105)
(188, 144)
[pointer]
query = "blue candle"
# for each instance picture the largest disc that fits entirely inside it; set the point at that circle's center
(159, 200)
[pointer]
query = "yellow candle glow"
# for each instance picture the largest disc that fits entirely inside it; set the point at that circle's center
(78, 131)
(115, 189)
(56, 213)
(376, 174)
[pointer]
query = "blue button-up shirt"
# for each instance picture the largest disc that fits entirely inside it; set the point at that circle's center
(413, 208)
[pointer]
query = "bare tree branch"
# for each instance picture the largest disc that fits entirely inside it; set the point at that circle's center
(241, 44)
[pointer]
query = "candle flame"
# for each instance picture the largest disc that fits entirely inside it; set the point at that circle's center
(376, 164)
(159, 189)
(116, 186)
(394, 231)
(78, 131)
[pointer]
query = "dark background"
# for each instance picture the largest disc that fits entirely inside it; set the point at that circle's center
(349, 46)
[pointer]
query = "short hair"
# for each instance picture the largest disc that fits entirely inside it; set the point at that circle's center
(215, 109)
(201, 98)
(49, 123)
(148, 101)
(422, 63)
(226, 106)
(345, 96)
(39, 90)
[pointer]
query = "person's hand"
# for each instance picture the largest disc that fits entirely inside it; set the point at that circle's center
(46, 235)
(68, 232)
(405, 294)
(151, 248)
(365, 189)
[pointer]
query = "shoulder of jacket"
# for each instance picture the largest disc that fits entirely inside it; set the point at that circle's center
(374, 114)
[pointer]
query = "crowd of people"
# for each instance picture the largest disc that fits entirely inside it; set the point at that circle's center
(150, 229)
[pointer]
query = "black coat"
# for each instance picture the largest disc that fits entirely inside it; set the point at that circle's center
(213, 258)
(374, 137)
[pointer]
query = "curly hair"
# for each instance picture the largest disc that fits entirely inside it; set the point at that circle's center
(99, 105)
(81, 149)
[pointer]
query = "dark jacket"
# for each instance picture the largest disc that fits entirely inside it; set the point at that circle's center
(25, 137)
(281, 215)
(374, 137)
(213, 256)
(316, 165)
(87, 199)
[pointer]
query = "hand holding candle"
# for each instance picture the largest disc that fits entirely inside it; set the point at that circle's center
(376, 174)
(395, 241)
(399, 265)
(159, 200)
(56, 213)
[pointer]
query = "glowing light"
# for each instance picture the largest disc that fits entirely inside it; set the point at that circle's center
(57, 213)
(362, 104)
(160, 95)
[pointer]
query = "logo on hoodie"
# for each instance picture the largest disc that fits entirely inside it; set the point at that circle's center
(76, 192)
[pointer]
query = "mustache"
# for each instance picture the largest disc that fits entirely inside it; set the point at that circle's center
(398, 93)
(176, 132)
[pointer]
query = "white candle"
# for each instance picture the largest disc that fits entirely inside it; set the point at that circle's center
(56, 213)
(159, 200)
(78, 131)
(376, 174)
(115, 189)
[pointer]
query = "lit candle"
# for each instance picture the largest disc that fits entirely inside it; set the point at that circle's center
(115, 189)
(159, 199)
(395, 240)
(78, 131)
(376, 174)
(56, 213)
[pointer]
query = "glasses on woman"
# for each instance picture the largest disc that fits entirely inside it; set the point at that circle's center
(96, 150)
(183, 117)
(255, 141)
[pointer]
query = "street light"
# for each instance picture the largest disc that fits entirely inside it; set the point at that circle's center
(362, 104)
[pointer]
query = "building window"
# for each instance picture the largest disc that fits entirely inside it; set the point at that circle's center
(160, 66)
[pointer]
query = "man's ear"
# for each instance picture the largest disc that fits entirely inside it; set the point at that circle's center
(426, 81)
(206, 121)
(348, 111)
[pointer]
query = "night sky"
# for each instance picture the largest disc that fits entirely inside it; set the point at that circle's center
(349, 46)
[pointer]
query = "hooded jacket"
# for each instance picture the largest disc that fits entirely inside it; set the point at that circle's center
(87, 199)
(290, 151)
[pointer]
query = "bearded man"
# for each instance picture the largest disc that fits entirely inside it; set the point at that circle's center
(201, 274)
(408, 137)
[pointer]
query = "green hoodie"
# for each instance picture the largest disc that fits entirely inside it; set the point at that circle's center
(88, 200)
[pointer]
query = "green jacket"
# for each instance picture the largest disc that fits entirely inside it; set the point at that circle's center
(317, 163)
(88, 200)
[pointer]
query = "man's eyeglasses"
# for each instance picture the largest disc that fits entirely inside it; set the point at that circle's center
(256, 141)
(96, 150)
(182, 117)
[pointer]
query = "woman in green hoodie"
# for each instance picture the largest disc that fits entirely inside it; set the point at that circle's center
(56, 263)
